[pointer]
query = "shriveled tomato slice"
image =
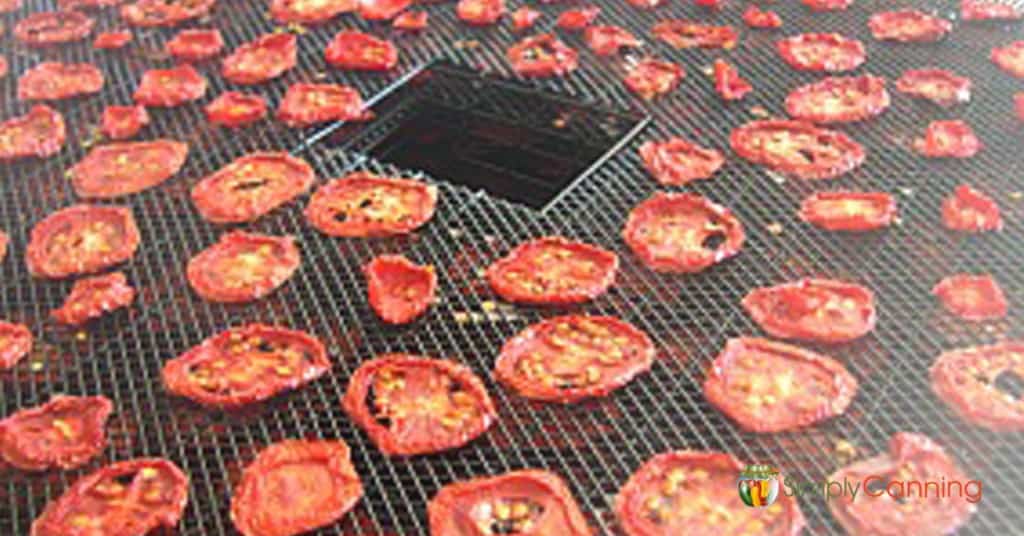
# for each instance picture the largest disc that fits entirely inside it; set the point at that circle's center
(607, 40)
(112, 40)
(93, 297)
(480, 12)
(236, 109)
(524, 17)
(908, 25)
(54, 81)
(528, 502)
(246, 364)
(64, 433)
(399, 290)
(295, 486)
(39, 133)
(848, 211)
(410, 21)
(980, 10)
(694, 492)
(148, 13)
(827, 52)
(575, 20)
(553, 271)
(195, 45)
(971, 211)
(411, 405)
(124, 168)
(755, 17)
(971, 381)
(542, 55)
(651, 78)
(252, 186)
(361, 52)
(948, 139)
(81, 239)
(362, 205)
(310, 11)
(1010, 58)
(972, 297)
(941, 87)
(827, 5)
(15, 344)
(882, 509)
(243, 267)
(382, 9)
(689, 34)
(266, 58)
(123, 122)
(675, 161)
(53, 27)
(797, 148)
(839, 99)
(125, 498)
(308, 104)
(728, 83)
(170, 87)
(821, 310)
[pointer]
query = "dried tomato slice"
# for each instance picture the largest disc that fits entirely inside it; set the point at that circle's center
(148, 13)
(972, 297)
(675, 162)
(236, 109)
(310, 11)
(15, 343)
(689, 34)
(243, 267)
(39, 133)
(978, 10)
(112, 40)
(64, 433)
(246, 364)
(948, 139)
(123, 122)
(266, 58)
(362, 205)
(399, 290)
(526, 502)
(54, 81)
(266, 502)
(908, 25)
(524, 18)
(607, 40)
(828, 52)
(971, 211)
(93, 297)
(822, 310)
(542, 55)
(575, 20)
(124, 168)
(839, 99)
(195, 45)
(827, 5)
(755, 17)
(305, 104)
(1010, 58)
(125, 498)
(382, 9)
(170, 87)
(361, 52)
(411, 405)
(570, 358)
(728, 83)
(81, 239)
(941, 87)
(53, 27)
(651, 78)
(797, 148)
(848, 211)
(480, 12)
(553, 271)
(410, 21)
(969, 381)
(911, 458)
(252, 186)
(662, 498)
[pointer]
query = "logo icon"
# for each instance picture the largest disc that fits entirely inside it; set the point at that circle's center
(759, 485)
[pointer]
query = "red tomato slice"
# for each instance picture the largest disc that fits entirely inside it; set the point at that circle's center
(971, 211)
(399, 290)
(1010, 58)
(54, 81)
(93, 297)
(124, 168)
(908, 25)
(848, 211)
(682, 233)
(310, 11)
(236, 109)
(39, 133)
(246, 364)
(125, 498)
(361, 52)
(123, 122)
(53, 27)
(657, 499)
(411, 405)
(170, 87)
(948, 139)
(524, 18)
(382, 9)
(650, 78)
(827, 52)
(728, 83)
(972, 297)
(827, 5)
(243, 267)
(607, 40)
(112, 40)
(967, 381)
(675, 162)
(309, 104)
(978, 10)
(575, 20)
(81, 239)
(410, 21)
(941, 87)
(64, 433)
(553, 271)
(266, 501)
(522, 502)
(266, 58)
(570, 358)
(689, 34)
(15, 344)
(839, 99)
(148, 13)
(797, 148)
(755, 17)
(252, 186)
(821, 310)
(362, 205)
(195, 45)
(542, 55)
(480, 12)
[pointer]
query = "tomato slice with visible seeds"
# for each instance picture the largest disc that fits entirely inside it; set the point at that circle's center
(728, 83)
(266, 501)
(1010, 58)
(978, 10)
(694, 492)
(93, 297)
(15, 344)
(948, 139)
(941, 87)
(570, 358)
(305, 105)
(755, 17)
(362, 205)
(54, 81)
(382, 9)
(553, 271)
(112, 40)
(81, 239)
(266, 58)
(907, 26)
(410, 21)
(797, 148)
(123, 122)
(526, 502)
(399, 290)
(542, 55)
(972, 297)
(524, 18)
(821, 310)
(243, 267)
(149, 13)
(64, 433)
(412, 405)
(607, 40)
(252, 186)
(53, 27)
(310, 11)
(650, 78)
(361, 52)
(970, 381)
(971, 211)
(170, 87)
(124, 168)
(575, 20)
(236, 109)
(827, 5)
(689, 34)
(195, 45)
(125, 498)
(39, 133)
(480, 12)
(839, 99)
(827, 52)
(848, 211)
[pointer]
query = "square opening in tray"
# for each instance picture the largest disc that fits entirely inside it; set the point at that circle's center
(487, 133)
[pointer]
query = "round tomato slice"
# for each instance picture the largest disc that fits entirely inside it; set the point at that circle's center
(411, 405)
(310, 11)
(295, 486)
(53, 27)
(755, 17)
(971, 211)
(767, 386)
(542, 55)
(908, 25)
(480, 12)
(358, 51)
(972, 297)
(526, 502)
(148, 13)
(195, 45)
(266, 58)
(124, 168)
(15, 344)
(827, 5)
(112, 40)
(54, 81)
(574, 20)
(236, 109)
(848, 211)
(399, 289)
(125, 498)
(524, 18)
(246, 364)
(948, 139)
(170, 87)
(64, 433)
(252, 186)
(941, 87)
(978, 10)
(911, 458)
(827, 52)
(553, 271)
(692, 492)
(123, 122)
(92, 297)
(970, 381)
(676, 162)
(1010, 58)
(382, 9)
(243, 267)
(81, 239)
(570, 358)
(839, 99)
(728, 83)
(410, 20)
(821, 310)
(689, 34)
(797, 148)
(39, 133)
(651, 78)
(362, 205)
(607, 40)
(305, 104)
(682, 233)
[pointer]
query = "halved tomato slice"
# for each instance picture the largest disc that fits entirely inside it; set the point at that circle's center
(15, 344)
(941, 87)
(64, 433)
(195, 45)
(382, 9)
(170, 87)
(908, 25)
(123, 168)
(524, 18)
(310, 11)
(574, 20)
(411, 405)
(797, 148)
(236, 109)
(827, 52)
(361, 52)
(148, 13)
(848, 211)
(480, 12)
(410, 21)
(53, 27)
(948, 139)
(839, 99)
(362, 204)
(827, 5)
(607, 40)
(689, 34)
(1010, 58)
(821, 310)
(243, 267)
(266, 58)
(728, 83)
(92, 297)
(755, 17)
(39, 133)
(252, 186)
(295, 486)
(553, 271)
(971, 211)
(112, 40)
(973, 383)
(305, 104)
(399, 290)
(675, 161)
(979, 10)
(54, 81)
(123, 122)
(972, 297)
(651, 78)
(81, 239)
(542, 55)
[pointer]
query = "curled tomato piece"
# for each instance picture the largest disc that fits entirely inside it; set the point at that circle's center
(689, 34)
(755, 17)
(252, 186)
(728, 83)
(64, 433)
(827, 52)
(54, 81)
(266, 502)
(39, 133)
(525, 502)
(797, 148)
(304, 104)
(411, 405)
(236, 109)
(266, 58)
(839, 99)
(124, 168)
(93, 297)
(570, 358)
(112, 40)
(848, 211)
(908, 25)
(399, 289)
(123, 122)
(15, 344)
(170, 87)
(948, 139)
(81, 239)
(195, 45)
(148, 13)
(675, 162)
(553, 271)
(827, 5)
(246, 364)
(821, 310)
(362, 205)
(410, 21)
(382, 9)
(53, 27)
(361, 52)
(243, 267)
(971, 381)
(1010, 58)
(310, 11)
(972, 297)
(941, 87)
(542, 55)
(650, 78)
(980, 10)
(575, 20)
(524, 18)
(607, 40)
(971, 211)
(480, 12)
